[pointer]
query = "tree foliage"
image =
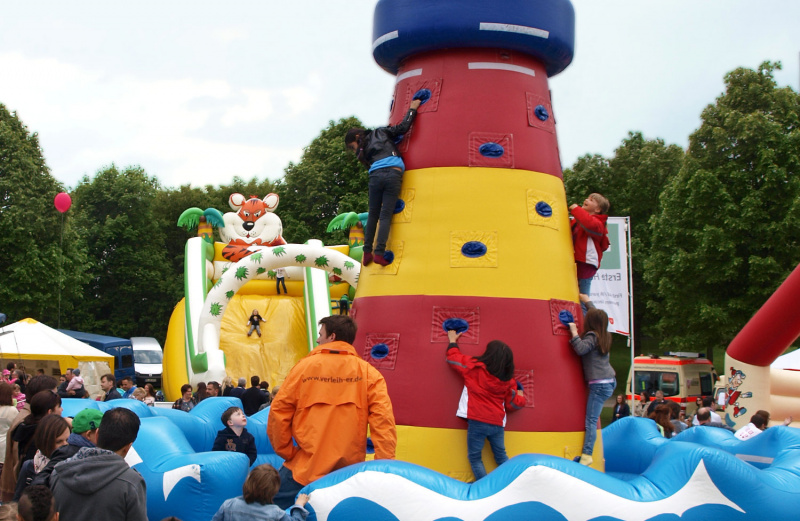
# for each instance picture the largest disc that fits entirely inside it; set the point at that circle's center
(327, 181)
(131, 291)
(729, 228)
(632, 180)
(39, 276)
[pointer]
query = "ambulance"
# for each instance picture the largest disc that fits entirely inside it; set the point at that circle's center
(681, 376)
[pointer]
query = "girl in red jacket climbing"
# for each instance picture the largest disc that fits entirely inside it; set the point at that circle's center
(489, 387)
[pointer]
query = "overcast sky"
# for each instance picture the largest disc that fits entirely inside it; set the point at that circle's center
(201, 91)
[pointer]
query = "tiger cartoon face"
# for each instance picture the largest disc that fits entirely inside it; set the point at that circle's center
(252, 223)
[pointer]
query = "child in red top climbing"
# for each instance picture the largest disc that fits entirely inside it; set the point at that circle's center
(489, 387)
(589, 238)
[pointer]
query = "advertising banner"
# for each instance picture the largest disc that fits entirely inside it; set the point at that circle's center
(610, 286)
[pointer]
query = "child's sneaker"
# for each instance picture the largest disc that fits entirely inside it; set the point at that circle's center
(380, 259)
(585, 460)
(367, 259)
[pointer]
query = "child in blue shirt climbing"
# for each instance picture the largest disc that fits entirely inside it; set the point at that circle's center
(377, 150)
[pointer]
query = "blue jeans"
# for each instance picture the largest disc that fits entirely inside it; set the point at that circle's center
(477, 434)
(598, 394)
(256, 328)
(585, 287)
(278, 282)
(384, 189)
(289, 489)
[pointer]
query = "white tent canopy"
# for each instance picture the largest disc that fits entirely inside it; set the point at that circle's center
(37, 346)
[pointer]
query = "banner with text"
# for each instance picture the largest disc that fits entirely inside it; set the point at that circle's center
(611, 282)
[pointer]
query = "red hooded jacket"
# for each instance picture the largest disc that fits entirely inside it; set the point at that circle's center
(589, 236)
(485, 397)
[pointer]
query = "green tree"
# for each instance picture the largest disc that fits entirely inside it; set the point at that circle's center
(327, 181)
(133, 289)
(729, 229)
(589, 174)
(40, 278)
(632, 180)
(167, 207)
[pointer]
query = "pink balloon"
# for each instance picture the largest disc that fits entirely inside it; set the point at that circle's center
(63, 201)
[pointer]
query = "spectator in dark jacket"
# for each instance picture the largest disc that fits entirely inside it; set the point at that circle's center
(108, 383)
(238, 391)
(621, 409)
(253, 398)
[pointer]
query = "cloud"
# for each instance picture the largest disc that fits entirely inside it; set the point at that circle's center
(303, 98)
(227, 35)
(257, 107)
(94, 119)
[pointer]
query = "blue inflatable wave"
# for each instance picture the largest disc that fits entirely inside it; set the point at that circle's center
(702, 474)
(172, 453)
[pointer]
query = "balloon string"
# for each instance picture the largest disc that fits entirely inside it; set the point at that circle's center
(60, 270)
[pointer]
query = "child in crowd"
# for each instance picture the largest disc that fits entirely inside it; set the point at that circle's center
(234, 437)
(255, 321)
(589, 238)
(377, 151)
(139, 394)
(76, 384)
(18, 397)
(594, 347)
(37, 504)
(255, 503)
(489, 387)
(280, 279)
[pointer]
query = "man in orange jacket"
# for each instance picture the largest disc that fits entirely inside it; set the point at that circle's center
(325, 405)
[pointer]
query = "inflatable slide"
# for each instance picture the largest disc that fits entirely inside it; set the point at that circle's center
(225, 282)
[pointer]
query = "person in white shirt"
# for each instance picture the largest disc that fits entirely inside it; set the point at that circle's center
(708, 402)
(756, 426)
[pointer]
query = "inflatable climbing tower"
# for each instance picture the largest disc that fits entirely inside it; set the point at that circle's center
(481, 232)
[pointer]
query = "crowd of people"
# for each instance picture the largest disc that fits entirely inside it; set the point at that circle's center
(671, 420)
(255, 398)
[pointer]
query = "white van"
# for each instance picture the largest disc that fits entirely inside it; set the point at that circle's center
(147, 358)
(682, 377)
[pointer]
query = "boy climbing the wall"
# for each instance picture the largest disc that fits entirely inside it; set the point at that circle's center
(377, 150)
(589, 237)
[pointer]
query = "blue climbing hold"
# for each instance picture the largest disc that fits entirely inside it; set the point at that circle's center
(544, 209)
(541, 113)
(491, 150)
(565, 317)
(399, 206)
(459, 325)
(423, 95)
(379, 351)
(473, 249)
